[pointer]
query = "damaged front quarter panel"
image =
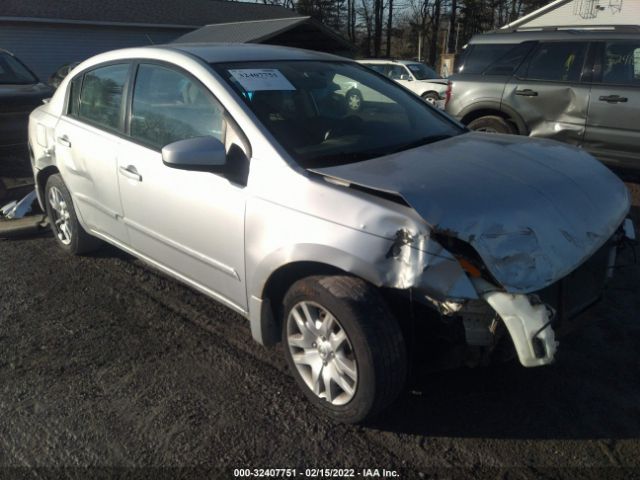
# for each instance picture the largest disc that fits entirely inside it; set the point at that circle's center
(420, 262)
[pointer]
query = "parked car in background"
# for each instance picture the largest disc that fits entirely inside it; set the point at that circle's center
(56, 77)
(356, 239)
(20, 93)
(577, 86)
(415, 76)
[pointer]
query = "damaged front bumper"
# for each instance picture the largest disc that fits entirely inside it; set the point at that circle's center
(532, 320)
(529, 326)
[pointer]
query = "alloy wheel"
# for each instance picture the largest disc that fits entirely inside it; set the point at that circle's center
(322, 353)
(61, 215)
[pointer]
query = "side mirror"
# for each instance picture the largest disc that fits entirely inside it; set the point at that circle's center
(406, 77)
(199, 153)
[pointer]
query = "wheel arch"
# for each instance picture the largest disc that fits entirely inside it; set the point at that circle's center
(41, 181)
(482, 109)
(282, 269)
(427, 92)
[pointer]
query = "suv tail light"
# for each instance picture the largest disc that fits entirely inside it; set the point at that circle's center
(447, 94)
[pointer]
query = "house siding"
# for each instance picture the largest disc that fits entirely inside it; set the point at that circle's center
(584, 13)
(46, 47)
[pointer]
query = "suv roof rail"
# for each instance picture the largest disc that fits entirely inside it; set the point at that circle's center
(574, 28)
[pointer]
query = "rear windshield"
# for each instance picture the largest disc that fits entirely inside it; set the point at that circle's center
(12, 72)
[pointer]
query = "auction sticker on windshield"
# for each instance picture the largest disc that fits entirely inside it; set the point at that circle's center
(256, 79)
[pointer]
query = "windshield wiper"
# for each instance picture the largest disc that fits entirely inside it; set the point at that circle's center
(340, 158)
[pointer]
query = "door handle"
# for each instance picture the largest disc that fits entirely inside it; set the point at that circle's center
(527, 92)
(64, 140)
(130, 172)
(613, 99)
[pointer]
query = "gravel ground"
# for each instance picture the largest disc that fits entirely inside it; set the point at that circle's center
(106, 363)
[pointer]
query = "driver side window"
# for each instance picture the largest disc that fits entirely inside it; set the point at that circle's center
(169, 106)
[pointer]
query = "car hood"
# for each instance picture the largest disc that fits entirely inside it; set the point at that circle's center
(439, 81)
(534, 210)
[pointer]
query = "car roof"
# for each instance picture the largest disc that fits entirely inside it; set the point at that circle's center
(568, 34)
(247, 52)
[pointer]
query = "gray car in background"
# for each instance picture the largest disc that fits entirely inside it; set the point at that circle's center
(577, 86)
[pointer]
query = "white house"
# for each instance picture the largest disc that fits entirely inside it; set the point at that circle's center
(581, 13)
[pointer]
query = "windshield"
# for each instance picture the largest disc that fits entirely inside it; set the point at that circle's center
(333, 113)
(422, 72)
(12, 72)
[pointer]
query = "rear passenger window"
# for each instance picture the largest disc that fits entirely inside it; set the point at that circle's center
(169, 106)
(508, 63)
(621, 65)
(101, 96)
(478, 57)
(561, 62)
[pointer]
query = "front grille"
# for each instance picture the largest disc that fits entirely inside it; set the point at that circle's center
(580, 289)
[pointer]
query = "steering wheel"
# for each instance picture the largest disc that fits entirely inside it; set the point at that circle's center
(343, 126)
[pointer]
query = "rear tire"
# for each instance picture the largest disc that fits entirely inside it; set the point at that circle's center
(67, 231)
(344, 347)
(491, 124)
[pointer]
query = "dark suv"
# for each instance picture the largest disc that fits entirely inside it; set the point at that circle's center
(577, 86)
(20, 93)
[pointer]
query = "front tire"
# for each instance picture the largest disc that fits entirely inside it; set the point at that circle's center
(67, 231)
(343, 346)
(431, 97)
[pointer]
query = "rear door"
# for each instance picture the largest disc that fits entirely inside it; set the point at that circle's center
(548, 92)
(613, 123)
(88, 139)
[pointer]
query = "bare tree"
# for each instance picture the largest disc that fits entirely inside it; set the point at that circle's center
(378, 20)
(402, 22)
(389, 27)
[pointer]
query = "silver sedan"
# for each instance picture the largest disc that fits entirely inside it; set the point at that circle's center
(360, 239)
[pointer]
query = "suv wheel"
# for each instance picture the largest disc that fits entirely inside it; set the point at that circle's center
(491, 124)
(343, 346)
(63, 219)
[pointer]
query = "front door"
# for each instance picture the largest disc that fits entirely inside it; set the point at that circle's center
(548, 93)
(189, 222)
(613, 124)
(400, 74)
